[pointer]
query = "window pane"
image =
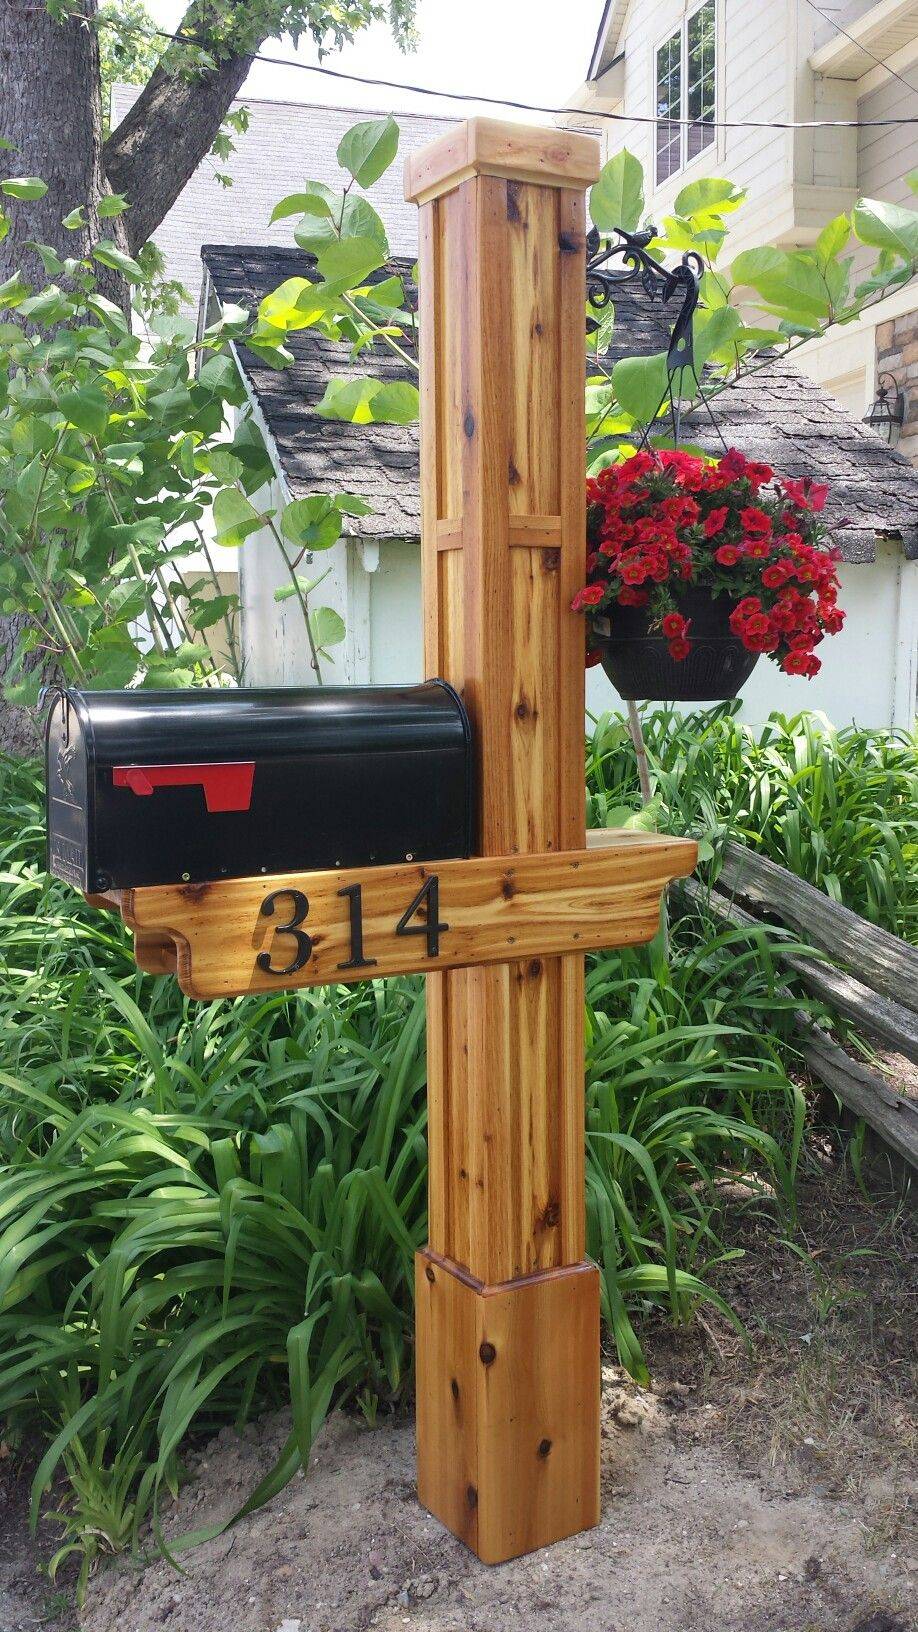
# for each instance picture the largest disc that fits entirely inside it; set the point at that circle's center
(700, 79)
(669, 100)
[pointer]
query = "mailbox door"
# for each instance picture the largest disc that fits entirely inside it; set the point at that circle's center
(68, 793)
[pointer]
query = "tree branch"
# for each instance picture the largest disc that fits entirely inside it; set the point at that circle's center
(168, 131)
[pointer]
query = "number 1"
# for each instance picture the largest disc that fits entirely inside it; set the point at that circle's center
(355, 904)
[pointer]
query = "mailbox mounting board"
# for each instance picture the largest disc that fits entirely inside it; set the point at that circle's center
(311, 929)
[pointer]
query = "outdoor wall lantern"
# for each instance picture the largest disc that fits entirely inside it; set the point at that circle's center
(887, 412)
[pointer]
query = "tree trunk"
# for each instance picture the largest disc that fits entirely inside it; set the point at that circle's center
(162, 139)
(50, 111)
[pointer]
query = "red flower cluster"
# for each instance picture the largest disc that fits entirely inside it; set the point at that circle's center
(658, 522)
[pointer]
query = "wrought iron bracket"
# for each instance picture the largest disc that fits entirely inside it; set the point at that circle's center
(657, 281)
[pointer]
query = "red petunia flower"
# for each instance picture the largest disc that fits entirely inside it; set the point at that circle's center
(679, 648)
(675, 626)
(727, 555)
(714, 521)
(755, 521)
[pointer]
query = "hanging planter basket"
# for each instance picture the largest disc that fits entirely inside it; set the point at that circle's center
(639, 664)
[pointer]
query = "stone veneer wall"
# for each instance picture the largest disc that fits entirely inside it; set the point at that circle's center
(897, 354)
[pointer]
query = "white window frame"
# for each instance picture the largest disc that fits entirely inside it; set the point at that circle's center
(681, 32)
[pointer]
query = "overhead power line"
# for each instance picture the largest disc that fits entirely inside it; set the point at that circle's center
(524, 107)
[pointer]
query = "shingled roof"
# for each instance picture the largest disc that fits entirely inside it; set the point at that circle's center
(776, 414)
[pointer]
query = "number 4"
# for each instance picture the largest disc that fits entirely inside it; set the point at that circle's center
(431, 926)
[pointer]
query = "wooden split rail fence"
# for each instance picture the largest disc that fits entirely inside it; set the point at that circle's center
(880, 998)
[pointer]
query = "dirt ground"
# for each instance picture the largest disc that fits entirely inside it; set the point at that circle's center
(769, 1489)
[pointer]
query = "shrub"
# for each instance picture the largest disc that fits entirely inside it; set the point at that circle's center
(207, 1209)
(836, 807)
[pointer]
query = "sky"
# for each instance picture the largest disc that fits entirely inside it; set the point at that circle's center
(531, 50)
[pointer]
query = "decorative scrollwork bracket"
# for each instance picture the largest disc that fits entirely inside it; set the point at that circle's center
(656, 280)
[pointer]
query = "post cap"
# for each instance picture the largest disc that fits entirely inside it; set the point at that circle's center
(550, 156)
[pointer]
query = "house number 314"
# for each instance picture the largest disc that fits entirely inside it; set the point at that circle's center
(297, 909)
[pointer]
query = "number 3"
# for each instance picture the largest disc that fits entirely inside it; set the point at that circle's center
(303, 941)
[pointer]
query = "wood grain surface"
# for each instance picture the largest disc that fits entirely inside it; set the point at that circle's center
(496, 908)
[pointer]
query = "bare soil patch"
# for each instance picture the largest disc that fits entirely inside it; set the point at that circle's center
(760, 1489)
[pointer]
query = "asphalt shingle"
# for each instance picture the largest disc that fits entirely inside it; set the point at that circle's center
(776, 414)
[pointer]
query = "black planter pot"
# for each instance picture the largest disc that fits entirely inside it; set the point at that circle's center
(640, 667)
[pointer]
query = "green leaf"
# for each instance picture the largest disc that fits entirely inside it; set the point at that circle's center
(234, 518)
(108, 254)
(13, 292)
(354, 217)
(219, 462)
(5, 225)
(75, 219)
(713, 331)
(23, 187)
(346, 262)
(213, 610)
(887, 226)
(395, 404)
(617, 198)
(708, 198)
(832, 239)
(352, 505)
(112, 204)
(49, 306)
(317, 200)
(313, 523)
(389, 292)
(790, 283)
(640, 384)
(367, 401)
(294, 304)
(87, 408)
(328, 627)
(367, 149)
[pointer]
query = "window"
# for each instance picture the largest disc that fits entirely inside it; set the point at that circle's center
(685, 90)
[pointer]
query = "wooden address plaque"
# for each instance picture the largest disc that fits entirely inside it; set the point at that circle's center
(314, 929)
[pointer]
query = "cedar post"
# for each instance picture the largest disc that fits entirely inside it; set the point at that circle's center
(507, 1306)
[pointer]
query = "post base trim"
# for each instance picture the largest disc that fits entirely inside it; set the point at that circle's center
(508, 1404)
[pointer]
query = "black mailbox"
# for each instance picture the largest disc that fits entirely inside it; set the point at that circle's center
(160, 787)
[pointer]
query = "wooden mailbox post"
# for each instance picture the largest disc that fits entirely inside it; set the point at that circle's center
(507, 1303)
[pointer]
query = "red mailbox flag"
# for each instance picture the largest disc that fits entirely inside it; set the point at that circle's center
(226, 787)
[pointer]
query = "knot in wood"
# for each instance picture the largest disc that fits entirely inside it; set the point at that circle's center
(471, 1496)
(468, 423)
(454, 1389)
(487, 1354)
(544, 1447)
(430, 1274)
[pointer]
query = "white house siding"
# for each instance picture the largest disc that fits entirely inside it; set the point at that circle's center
(752, 78)
(886, 155)
(846, 360)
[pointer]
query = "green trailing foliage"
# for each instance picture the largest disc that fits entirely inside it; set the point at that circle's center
(762, 301)
(835, 806)
(211, 1209)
